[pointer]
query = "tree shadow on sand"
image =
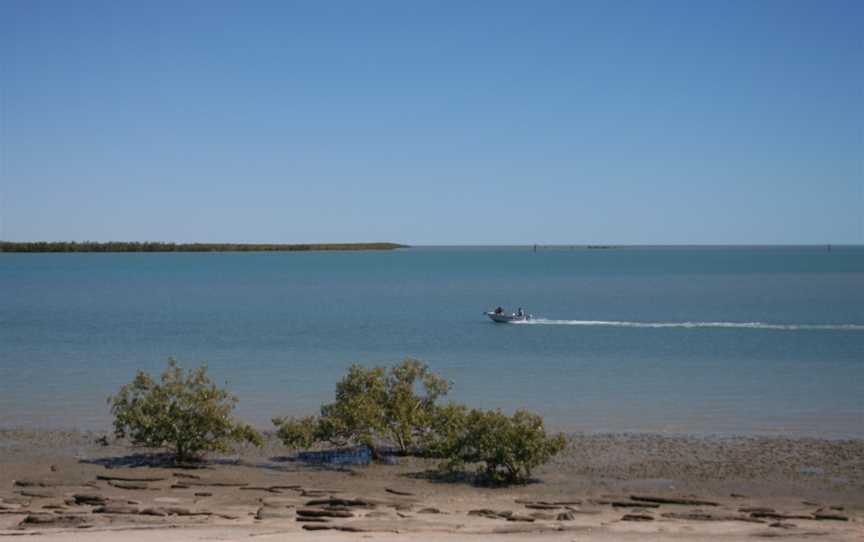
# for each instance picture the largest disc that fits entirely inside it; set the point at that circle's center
(466, 478)
(164, 460)
(167, 460)
(293, 464)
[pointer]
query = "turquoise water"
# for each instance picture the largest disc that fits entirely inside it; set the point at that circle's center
(720, 340)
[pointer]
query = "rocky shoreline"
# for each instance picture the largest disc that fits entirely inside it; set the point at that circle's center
(63, 484)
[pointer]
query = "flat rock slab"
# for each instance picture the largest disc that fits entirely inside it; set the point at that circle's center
(347, 528)
(186, 475)
(701, 516)
(315, 492)
(278, 502)
(53, 520)
(542, 506)
(112, 478)
(181, 511)
(398, 492)
(319, 527)
(32, 482)
(671, 500)
(491, 514)
(637, 517)
(339, 508)
(585, 511)
(334, 501)
(525, 528)
(322, 513)
(37, 492)
(551, 504)
(116, 509)
(130, 485)
(213, 483)
(89, 499)
(18, 499)
(756, 509)
(778, 515)
(269, 512)
(158, 512)
(630, 504)
(824, 516)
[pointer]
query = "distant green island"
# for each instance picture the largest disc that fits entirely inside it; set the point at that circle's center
(118, 246)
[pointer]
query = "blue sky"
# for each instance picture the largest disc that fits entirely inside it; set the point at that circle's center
(429, 122)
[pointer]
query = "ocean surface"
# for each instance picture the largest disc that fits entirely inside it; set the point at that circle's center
(748, 340)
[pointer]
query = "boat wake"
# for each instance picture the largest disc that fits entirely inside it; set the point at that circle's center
(695, 325)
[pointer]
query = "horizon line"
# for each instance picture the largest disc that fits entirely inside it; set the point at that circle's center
(594, 245)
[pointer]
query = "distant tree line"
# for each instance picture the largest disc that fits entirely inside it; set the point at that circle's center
(148, 246)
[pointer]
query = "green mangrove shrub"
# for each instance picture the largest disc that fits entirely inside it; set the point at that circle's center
(299, 432)
(505, 448)
(372, 407)
(183, 411)
(399, 406)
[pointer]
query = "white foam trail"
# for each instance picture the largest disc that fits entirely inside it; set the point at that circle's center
(696, 325)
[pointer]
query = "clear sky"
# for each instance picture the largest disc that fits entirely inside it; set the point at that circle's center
(433, 122)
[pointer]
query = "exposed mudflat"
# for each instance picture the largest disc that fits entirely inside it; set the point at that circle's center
(70, 485)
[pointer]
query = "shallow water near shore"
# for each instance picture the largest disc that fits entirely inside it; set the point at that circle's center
(681, 340)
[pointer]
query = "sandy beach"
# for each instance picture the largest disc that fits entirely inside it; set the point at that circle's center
(86, 486)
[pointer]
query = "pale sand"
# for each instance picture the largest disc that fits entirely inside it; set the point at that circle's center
(41, 471)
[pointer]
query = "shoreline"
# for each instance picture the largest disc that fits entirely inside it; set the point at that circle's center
(842, 427)
(715, 436)
(253, 492)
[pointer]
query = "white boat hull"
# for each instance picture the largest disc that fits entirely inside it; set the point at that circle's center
(507, 318)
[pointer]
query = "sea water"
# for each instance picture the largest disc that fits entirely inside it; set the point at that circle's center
(728, 340)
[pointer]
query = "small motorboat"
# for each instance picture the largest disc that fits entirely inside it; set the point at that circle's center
(501, 317)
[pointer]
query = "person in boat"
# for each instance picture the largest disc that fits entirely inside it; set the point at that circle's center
(520, 313)
(499, 310)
